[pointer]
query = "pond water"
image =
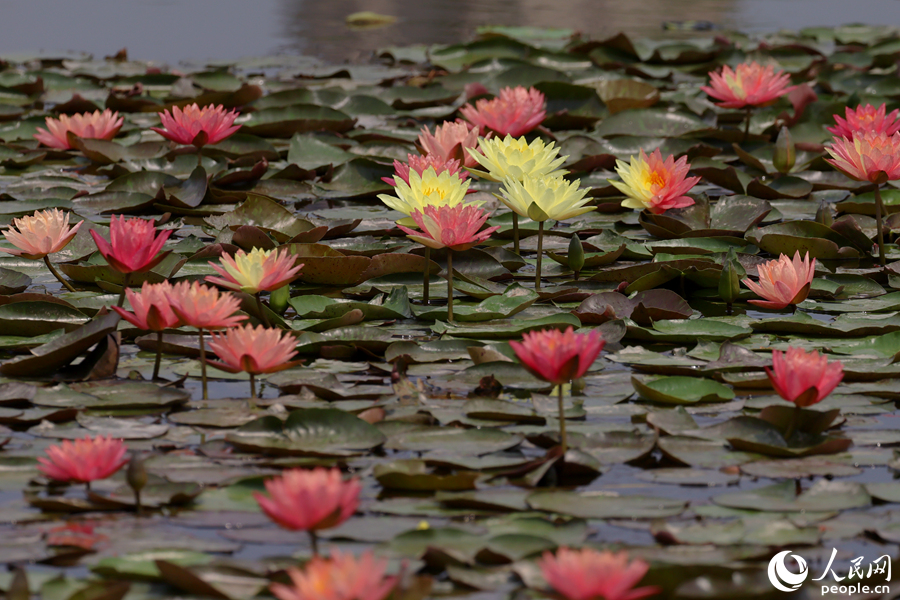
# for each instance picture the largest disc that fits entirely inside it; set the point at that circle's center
(174, 30)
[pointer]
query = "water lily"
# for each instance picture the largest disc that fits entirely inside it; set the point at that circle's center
(865, 118)
(419, 163)
(342, 577)
(654, 183)
(83, 460)
(515, 112)
(783, 282)
(253, 350)
(41, 234)
(450, 141)
(588, 574)
(803, 378)
(749, 85)
(103, 125)
(152, 312)
(195, 126)
(516, 158)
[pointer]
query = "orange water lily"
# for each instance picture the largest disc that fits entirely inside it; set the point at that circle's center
(254, 351)
(83, 460)
(783, 282)
(342, 577)
(655, 184)
(515, 112)
(588, 574)
(450, 140)
(102, 125)
(197, 126)
(749, 84)
(865, 119)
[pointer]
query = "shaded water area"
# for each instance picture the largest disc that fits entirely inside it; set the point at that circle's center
(173, 30)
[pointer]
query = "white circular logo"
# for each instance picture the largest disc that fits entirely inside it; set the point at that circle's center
(781, 577)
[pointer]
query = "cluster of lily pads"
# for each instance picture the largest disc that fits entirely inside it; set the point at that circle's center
(471, 461)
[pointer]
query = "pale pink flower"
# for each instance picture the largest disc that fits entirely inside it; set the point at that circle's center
(342, 577)
(450, 141)
(454, 227)
(310, 499)
(804, 378)
(83, 460)
(253, 350)
(203, 306)
(102, 125)
(515, 112)
(419, 163)
(865, 119)
(750, 84)
(588, 574)
(783, 281)
(134, 246)
(197, 126)
(151, 309)
(872, 157)
(45, 232)
(558, 357)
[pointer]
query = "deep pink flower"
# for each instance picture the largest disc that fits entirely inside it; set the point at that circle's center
(865, 119)
(152, 311)
(310, 499)
(587, 574)
(450, 140)
(253, 350)
(134, 246)
(783, 281)
(804, 378)
(872, 157)
(203, 306)
(419, 163)
(655, 184)
(515, 112)
(342, 577)
(454, 227)
(96, 125)
(186, 126)
(750, 84)
(83, 460)
(558, 357)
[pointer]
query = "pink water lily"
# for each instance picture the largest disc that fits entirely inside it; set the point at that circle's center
(870, 156)
(783, 281)
(455, 227)
(197, 126)
(83, 460)
(45, 232)
(449, 141)
(342, 577)
(865, 119)
(749, 84)
(419, 163)
(515, 112)
(588, 574)
(804, 378)
(133, 246)
(102, 125)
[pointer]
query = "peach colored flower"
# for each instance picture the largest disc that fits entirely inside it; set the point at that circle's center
(134, 246)
(419, 163)
(83, 460)
(151, 309)
(102, 125)
(197, 126)
(872, 157)
(783, 281)
(310, 499)
(750, 84)
(203, 306)
(45, 232)
(558, 357)
(255, 351)
(866, 118)
(515, 112)
(342, 577)
(587, 574)
(257, 271)
(655, 184)
(804, 378)
(454, 227)
(450, 140)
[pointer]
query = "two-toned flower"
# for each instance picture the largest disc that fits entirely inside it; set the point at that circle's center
(654, 183)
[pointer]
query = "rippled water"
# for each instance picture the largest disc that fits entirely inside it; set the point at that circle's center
(174, 30)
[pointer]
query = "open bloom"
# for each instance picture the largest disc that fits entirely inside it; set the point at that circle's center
(653, 183)
(428, 189)
(587, 574)
(750, 84)
(45, 232)
(134, 246)
(254, 351)
(197, 126)
(450, 140)
(102, 125)
(203, 306)
(310, 499)
(873, 157)
(515, 112)
(453, 227)
(419, 163)
(257, 271)
(545, 197)
(83, 460)
(342, 577)
(152, 311)
(558, 357)
(865, 119)
(516, 158)
(803, 378)
(783, 281)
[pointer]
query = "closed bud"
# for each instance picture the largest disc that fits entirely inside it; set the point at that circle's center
(824, 214)
(576, 254)
(136, 475)
(730, 279)
(785, 153)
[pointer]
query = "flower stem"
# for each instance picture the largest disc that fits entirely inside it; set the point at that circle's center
(158, 355)
(540, 252)
(449, 285)
(199, 157)
(563, 440)
(516, 233)
(314, 542)
(747, 126)
(56, 274)
(262, 311)
(126, 279)
(203, 365)
(252, 386)
(137, 503)
(426, 276)
(879, 209)
(792, 426)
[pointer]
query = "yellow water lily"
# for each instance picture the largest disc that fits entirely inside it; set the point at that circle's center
(516, 158)
(427, 189)
(546, 197)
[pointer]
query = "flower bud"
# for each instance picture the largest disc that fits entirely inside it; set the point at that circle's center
(785, 154)
(824, 214)
(576, 255)
(278, 299)
(730, 279)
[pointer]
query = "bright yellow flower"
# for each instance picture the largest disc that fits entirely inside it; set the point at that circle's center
(427, 189)
(516, 158)
(547, 197)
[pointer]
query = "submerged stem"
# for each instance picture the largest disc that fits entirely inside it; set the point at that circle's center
(792, 426)
(262, 311)
(516, 233)
(314, 542)
(56, 274)
(426, 276)
(158, 355)
(252, 386)
(540, 252)
(879, 210)
(747, 126)
(126, 279)
(449, 285)
(203, 365)
(563, 440)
